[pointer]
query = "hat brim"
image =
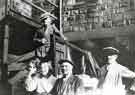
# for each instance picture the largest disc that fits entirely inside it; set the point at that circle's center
(63, 61)
(46, 15)
(110, 52)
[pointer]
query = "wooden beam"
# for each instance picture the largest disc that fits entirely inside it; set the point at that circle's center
(15, 61)
(20, 75)
(100, 33)
(52, 3)
(16, 67)
(39, 8)
(4, 68)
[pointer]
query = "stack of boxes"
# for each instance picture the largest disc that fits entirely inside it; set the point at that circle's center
(113, 13)
(101, 13)
(22, 7)
(80, 17)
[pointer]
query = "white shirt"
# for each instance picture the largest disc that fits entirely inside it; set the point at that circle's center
(113, 80)
(40, 84)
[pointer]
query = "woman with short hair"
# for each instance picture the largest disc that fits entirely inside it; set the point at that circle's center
(43, 81)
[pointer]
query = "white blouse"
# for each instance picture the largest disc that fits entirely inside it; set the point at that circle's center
(40, 84)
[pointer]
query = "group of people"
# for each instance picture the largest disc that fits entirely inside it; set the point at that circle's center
(113, 73)
(41, 81)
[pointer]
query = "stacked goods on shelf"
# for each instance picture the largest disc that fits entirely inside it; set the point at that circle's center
(29, 10)
(22, 7)
(113, 12)
(47, 5)
(80, 17)
(100, 13)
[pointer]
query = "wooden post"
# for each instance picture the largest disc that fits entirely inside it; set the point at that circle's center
(54, 52)
(5, 87)
(4, 67)
(61, 18)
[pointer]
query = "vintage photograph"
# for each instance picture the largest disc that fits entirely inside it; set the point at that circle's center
(67, 47)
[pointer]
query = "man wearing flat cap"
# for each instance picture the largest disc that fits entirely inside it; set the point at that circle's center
(69, 84)
(112, 84)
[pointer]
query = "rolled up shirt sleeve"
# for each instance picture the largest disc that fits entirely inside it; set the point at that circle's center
(127, 73)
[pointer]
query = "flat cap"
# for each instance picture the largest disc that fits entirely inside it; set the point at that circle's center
(46, 15)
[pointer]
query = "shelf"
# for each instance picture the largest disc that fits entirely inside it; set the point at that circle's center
(100, 33)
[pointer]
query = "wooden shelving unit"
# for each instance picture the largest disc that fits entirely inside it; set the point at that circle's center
(13, 20)
(92, 16)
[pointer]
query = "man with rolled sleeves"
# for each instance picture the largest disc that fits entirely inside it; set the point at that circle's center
(113, 80)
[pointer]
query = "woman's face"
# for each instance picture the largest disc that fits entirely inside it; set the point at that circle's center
(32, 67)
(48, 21)
(45, 68)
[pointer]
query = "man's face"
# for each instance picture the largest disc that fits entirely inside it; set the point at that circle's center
(66, 68)
(112, 58)
(44, 68)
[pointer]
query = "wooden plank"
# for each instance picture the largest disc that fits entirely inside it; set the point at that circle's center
(14, 59)
(4, 68)
(100, 33)
(20, 75)
(39, 8)
(52, 3)
(14, 62)
(15, 16)
(16, 67)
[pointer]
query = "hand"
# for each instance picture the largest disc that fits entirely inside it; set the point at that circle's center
(65, 38)
(43, 40)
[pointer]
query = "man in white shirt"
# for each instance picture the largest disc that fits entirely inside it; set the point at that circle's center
(42, 83)
(113, 80)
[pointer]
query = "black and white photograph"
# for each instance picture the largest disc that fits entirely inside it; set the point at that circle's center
(67, 47)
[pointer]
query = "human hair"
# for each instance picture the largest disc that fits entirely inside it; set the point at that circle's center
(52, 20)
(34, 61)
(48, 62)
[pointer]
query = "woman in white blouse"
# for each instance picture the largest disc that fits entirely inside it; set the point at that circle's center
(41, 83)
